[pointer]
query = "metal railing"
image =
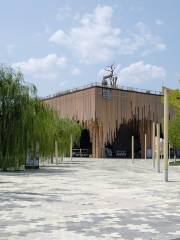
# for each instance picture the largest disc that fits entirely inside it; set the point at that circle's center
(80, 152)
(98, 84)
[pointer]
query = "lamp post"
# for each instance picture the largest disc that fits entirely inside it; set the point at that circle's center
(166, 120)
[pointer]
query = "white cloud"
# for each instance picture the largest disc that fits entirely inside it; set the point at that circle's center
(42, 67)
(139, 72)
(147, 41)
(76, 71)
(95, 39)
(59, 37)
(159, 22)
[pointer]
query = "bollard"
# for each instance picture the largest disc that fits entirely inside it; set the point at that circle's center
(145, 146)
(132, 148)
(56, 152)
(153, 144)
(70, 148)
(158, 147)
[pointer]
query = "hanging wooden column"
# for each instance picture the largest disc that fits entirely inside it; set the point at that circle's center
(141, 132)
(149, 135)
(93, 143)
(97, 143)
(102, 147)
(100, 154)
(97, 139)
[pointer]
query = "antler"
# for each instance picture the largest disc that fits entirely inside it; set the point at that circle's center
(107, 68)
(113, 66)
(110, 67)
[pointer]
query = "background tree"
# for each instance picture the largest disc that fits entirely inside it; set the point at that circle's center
(25, 121)
(174, 126)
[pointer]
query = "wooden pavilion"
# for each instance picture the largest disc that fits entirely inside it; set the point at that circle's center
(111, 114)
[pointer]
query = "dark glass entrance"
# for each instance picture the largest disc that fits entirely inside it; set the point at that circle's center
(121, 146)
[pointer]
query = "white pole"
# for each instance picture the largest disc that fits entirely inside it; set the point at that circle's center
(166, 121)
(158, 147)
(145, 146)
(153, 144)
(71, 148)
(56, 152)
(169, 150)
(132, 148)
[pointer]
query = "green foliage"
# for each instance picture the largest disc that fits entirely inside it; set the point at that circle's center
(25, 121)
(174, 99)
(174, 132)
(174, 126)
(65, 129)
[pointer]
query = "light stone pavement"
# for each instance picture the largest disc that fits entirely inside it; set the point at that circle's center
(90, 199)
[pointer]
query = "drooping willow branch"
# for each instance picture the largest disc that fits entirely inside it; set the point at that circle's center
(25, 120)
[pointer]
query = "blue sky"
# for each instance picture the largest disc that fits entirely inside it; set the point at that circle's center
(64, 44)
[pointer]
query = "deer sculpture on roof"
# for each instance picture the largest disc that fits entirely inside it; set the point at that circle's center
(111, 76)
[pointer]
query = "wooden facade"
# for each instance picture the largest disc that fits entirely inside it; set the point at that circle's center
(103, 110)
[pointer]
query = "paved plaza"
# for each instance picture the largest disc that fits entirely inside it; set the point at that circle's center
(90, 199)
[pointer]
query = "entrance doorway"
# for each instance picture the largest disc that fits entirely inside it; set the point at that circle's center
(85, 146)
(121, 146)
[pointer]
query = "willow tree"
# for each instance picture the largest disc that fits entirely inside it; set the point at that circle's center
(26, 121)
(40, 128)
(65, 130)
(15, 101)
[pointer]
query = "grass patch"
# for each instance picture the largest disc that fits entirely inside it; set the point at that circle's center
(177, 163)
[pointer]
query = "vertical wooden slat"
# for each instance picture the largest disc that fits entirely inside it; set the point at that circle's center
(90, 107)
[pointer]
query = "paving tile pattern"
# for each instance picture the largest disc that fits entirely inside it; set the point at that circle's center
(90, 199)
